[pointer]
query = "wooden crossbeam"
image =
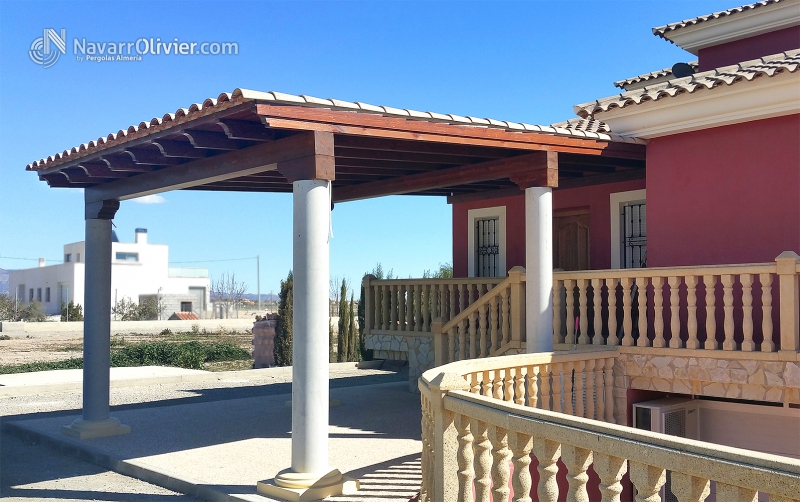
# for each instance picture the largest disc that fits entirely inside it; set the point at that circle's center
(535, 165)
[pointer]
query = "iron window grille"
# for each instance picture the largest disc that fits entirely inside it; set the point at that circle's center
(487, 247)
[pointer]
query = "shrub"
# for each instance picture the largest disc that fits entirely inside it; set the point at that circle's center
(71, 312)
(283, 331)
(33, 312)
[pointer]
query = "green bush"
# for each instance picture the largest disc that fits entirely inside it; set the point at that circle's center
(283, 331)
(71, 312)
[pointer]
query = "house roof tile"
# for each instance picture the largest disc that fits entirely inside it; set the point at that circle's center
(768, 66)
(666, 73)
(662, 31)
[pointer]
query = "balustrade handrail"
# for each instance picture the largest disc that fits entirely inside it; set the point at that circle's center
(457, 280)
(472, 435)
(634, 273)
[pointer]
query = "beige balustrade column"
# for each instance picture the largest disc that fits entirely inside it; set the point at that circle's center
(613, 331)
(558, 326)
(688, 488)
(521, 446)
(501, 469)
(658, 311)
(691, 310)
(727, 306)
(577, 461)
(608, 384)
(786, 264)
(711, 343)
(627, 312)
(493, 332)
(465, 457)
(519, 385)
(747, 312)
(569, 284)
(610, 470)
(767, 345)
(648, 480)
(393, 306)
(547, 453)
(583, 311)
(580, 395)
(545, 387)
(568, 387)
(483, 461)
(557, 396)
(730, 493)
(597, 289)
(641, 293)
(599, 389)
(516, 309)
(440, 346)
(533, 386)
(674, 310)
(589, 388)
(366, 283)
(385, 315)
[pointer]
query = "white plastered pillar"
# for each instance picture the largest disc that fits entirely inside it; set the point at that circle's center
(539, 269)
(96, 420)
(310, 476)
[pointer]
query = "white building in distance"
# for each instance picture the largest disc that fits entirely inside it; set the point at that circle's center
(138, 270)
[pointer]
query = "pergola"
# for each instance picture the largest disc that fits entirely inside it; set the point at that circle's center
(324, 151)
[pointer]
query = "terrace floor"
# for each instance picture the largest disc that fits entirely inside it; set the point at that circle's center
(220, 440)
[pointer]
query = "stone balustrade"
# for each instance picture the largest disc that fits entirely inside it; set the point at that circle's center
(485, 420)
(720, 307)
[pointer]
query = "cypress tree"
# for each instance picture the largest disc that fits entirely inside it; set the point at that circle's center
(344, 339)
(352, 332)
(283, 332)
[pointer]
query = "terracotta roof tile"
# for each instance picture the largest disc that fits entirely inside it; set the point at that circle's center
(728, 75)
(660, 75)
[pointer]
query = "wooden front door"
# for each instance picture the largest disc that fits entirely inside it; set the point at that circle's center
(571, 240)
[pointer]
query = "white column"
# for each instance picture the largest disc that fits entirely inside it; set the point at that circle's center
(96, 421)
(310, 476)
(539, 269)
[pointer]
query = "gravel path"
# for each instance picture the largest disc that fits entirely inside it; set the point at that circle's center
(33, 472)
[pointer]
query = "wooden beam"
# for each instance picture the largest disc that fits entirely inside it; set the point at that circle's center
(246, 129)
(472, 173)
(170, 148)
(318, 163)
(393, 145)
(545, 176)
(210, 140)
(254, 159)
(491, 194)
(151, 157)
(416, 157)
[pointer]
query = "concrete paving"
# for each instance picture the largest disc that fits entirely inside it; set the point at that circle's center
(218, 449)
(55, 377)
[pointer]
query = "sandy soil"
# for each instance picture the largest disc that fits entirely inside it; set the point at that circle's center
(44, 347)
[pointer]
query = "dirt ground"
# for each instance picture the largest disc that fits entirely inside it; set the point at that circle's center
(45, 347)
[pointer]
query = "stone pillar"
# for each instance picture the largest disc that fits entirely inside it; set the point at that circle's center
(310, 476)
(539, 269)
(96, 420)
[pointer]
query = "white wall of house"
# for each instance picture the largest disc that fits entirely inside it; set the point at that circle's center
(137, 269)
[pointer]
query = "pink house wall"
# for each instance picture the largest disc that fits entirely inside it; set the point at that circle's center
(595, 198)
(724, 195)
(749, 48)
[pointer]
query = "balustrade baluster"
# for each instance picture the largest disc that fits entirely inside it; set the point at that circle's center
(508, 385)
(568, 406)
(473, 335)
(418, 307)
(674, 310)
(474, 384)
(557, 326)
(401, 313)
(766, 323)
(710, 282)
(385, 315)
(658, 311)
(452, 294)
(483, 461)
(506, 319)
(735, 493)
(488, 384)
(609, 389)
(627, 312)
(410, 308)
(472, 293)
(583, 309)
(557, 375)
(501, 470)
(727, 306)
(493, 333)
(599, 389)
(641, 299)
(747, 312)
(462, 297)
(452, 350)
(545, 387)
(497, 384)
(547, 453)
(376, 317)
(577, 460)
(393, 302)
(533, 386)
(570, 318)
(610, 470)
(521, 446)
(464, 458)
(425, 299)
(462, 340)
(519, 385)
(613, 333)
(485, 343)
(597, 297)
(580, 367)
(691, 312)
(648, 480)
(688, 488)
(589, 388)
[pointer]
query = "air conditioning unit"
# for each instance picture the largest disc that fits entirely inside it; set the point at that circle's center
(672, 416)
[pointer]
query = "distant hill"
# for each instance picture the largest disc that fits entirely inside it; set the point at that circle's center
(4, 281)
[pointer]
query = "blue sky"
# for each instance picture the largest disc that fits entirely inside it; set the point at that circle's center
(522, 61)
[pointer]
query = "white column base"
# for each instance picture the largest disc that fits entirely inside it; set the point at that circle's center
(303, 487)
(85, 429)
